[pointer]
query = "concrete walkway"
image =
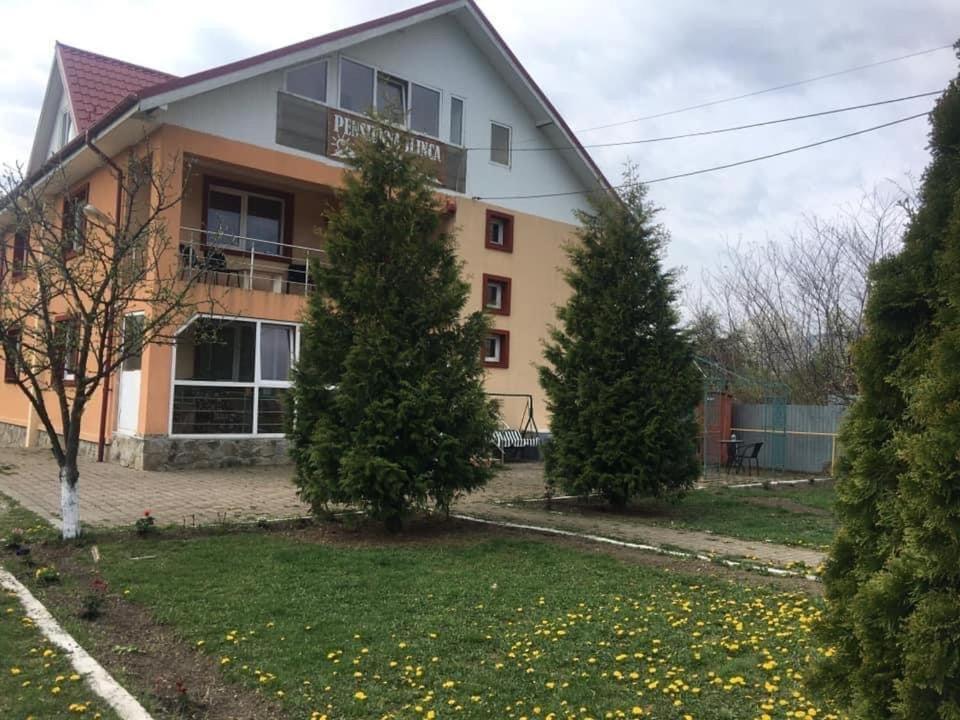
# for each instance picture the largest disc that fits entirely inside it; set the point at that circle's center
(112, 495)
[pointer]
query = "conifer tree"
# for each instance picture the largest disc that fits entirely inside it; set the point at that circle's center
(893, 576)
(389, 410)
(620, 379)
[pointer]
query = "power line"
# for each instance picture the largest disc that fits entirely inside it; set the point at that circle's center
(768, 90)
(723, 130)
(715, 167)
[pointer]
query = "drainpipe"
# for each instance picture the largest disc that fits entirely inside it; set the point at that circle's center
(102, 434)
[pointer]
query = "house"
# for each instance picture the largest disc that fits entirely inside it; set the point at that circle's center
(261, 144)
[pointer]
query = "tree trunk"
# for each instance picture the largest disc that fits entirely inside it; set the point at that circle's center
(70, 500)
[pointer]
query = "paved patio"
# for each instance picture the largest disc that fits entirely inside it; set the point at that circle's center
(112, 495)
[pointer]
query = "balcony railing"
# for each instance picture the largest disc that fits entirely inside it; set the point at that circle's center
(246, 262)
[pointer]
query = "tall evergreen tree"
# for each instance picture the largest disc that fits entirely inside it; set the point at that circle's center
(620, 379)
(893, 576)
(389, 409)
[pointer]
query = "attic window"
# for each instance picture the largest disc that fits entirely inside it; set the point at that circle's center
(66, 128)
(309, 81)
(499, 144)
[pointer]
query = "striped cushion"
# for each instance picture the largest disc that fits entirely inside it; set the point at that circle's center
(514, 439)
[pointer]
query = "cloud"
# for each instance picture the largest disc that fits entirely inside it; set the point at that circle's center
(599, 61)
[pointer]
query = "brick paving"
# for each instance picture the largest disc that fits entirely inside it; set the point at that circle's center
(112, 495)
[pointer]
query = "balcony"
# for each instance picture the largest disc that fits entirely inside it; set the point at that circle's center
(246, 262)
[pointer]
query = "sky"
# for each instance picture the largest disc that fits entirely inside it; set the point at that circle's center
(600, 61)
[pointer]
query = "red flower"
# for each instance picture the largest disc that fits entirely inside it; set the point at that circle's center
(146, 513)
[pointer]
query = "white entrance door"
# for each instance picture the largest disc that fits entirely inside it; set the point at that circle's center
(129, 391)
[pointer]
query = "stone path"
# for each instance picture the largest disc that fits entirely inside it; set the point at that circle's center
(526, 481)
(111, 495)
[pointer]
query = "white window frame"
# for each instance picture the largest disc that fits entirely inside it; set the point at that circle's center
(377, 70)
(245, 195)
(501, 223)
(463, 120)
(509, 129)
(499, 285)
(498, 340)
(66, 127)
(325, 61)
(256, 383)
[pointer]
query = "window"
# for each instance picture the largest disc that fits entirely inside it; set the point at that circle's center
(456, 121)
(425, 110)
(309, 81)
(356, 86)
(499, 231)
(133, 341)
(231, 377)
(66, 337)
(244, 219)
(74, 221)
(19, 253)
(496, 294)
(11, 353)
(66, 128)
(392, 98)
(496, 349)
(499, 144)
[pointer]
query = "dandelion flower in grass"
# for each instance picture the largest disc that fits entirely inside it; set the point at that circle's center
(15, 671)
(55, 690)
(359, 695)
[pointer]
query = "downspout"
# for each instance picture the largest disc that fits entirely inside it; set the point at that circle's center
(102, 434)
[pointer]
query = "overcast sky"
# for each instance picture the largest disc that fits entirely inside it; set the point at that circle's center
(599, 61)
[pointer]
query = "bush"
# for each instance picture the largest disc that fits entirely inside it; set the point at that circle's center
(893, 577)
(620, 379)
(389, 410)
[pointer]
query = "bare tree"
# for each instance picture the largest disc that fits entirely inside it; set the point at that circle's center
(795, 306)
(71, 274)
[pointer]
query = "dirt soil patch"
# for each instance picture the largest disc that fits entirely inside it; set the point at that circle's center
(169, 676)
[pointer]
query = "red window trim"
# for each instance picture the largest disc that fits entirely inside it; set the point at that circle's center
(506, 283)
(10, 373)
(507, 231)
(504, 361)
(287, 198)
(70, 198)
(21, 242)
(61, 366)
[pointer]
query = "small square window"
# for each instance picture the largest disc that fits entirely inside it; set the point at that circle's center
(496, 294)
(499, 144)
(309, 81)
(499, 231)
(496, 349)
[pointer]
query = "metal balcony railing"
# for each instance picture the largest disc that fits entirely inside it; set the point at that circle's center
(246, 262)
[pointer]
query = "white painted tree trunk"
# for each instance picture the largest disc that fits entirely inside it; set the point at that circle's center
(69, 502)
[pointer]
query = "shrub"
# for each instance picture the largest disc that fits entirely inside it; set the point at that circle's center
(145, 524)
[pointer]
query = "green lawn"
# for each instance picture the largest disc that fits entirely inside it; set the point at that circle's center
(35, 679)
(473, 629)
(794, 515)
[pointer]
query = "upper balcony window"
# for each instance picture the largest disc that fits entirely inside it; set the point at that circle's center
(356, 86)
(309, 81)
(66, 128)
(456, 121)
(399, 101)
(245, 220)
(499, 144)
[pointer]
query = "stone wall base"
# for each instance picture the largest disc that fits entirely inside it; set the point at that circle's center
(159, 452)
(16, 436)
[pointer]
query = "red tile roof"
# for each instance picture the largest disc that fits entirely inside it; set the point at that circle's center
(96, 83)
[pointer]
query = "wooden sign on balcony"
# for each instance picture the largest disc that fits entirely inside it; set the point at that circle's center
(324, 130)
(344, 128)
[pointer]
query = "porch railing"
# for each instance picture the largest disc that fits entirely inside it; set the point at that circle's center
(246, 262)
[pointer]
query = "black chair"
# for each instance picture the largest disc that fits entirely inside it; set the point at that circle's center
(216, 262)
(297, 275)
(749, 453)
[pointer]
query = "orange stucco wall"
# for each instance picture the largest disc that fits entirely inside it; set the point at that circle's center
(534, 266)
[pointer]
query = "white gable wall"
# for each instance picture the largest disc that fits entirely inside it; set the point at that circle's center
(438, 54)
(57, 126)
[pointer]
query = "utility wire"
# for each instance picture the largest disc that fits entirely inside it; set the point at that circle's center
(768, 90)
(715, 167)
(721, 130)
